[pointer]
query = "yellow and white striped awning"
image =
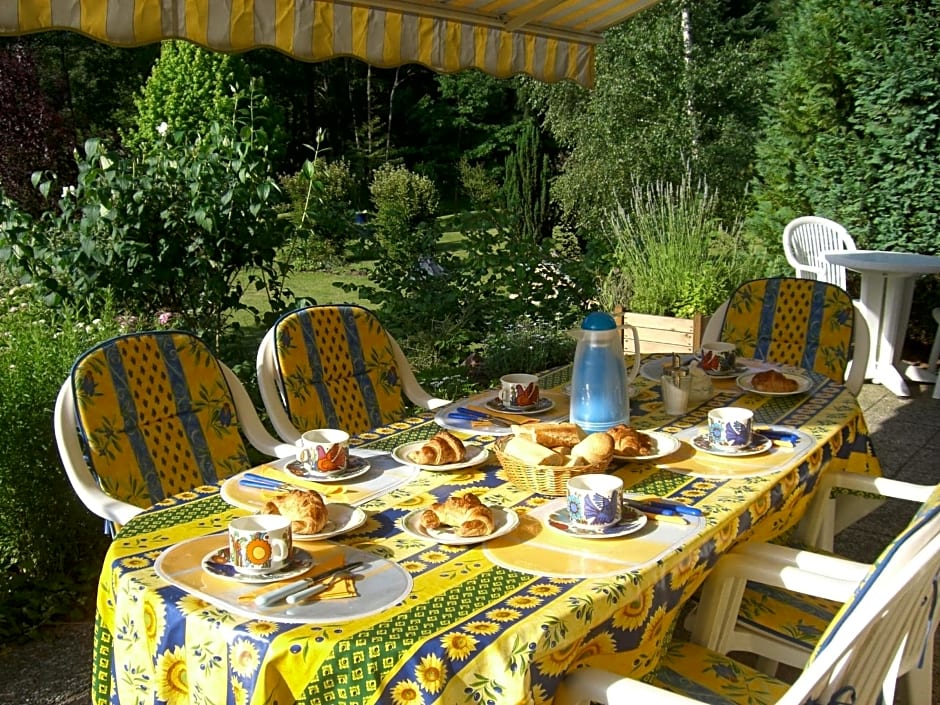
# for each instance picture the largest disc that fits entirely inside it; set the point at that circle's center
(551, 40)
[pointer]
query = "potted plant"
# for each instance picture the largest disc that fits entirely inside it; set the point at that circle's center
(673, 262)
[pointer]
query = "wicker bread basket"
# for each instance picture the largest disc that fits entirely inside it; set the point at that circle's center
(544, 479)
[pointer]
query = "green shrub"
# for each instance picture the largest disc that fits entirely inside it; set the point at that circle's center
(525, 345)
(670, 253)
(186, 228)
(51, 546)
(321, 210)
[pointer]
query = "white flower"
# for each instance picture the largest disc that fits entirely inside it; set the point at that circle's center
(162, 128)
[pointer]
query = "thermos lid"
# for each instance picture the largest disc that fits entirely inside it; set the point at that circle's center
(598, 320)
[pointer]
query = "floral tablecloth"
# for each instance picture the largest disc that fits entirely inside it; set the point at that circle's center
(477, 626)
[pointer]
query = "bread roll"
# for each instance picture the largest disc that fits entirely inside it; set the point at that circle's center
(551, 435)
(443, 449)
(305, 509)
(595, 448)
(531, 453)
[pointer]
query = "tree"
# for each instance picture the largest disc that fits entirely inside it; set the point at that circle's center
(665, 101)
(853, 123)
(525, 190)
(35, 137)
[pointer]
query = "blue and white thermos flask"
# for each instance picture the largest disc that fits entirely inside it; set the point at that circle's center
(599, 394)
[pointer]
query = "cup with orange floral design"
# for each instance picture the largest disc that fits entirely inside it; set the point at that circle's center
(324, 450)
(259, 543)
(519, 391)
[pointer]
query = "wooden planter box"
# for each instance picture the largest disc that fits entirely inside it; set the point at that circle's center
(664, 334)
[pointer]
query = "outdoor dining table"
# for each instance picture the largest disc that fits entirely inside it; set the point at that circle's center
(887, 290)
(499, 621)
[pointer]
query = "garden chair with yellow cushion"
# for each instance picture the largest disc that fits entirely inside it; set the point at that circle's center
(801, 322)
(148, 415)
(805, 323)
(886, 624)
(334, 366)
(781, 619)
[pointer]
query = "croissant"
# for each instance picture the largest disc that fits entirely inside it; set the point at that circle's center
(305, 509)
(630, 442)
(773, 381)
(443, 449)
(467, 514)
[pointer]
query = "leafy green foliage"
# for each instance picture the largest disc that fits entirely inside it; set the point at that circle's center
(321, 210)
(171, 230)
(671, 255)
(655, 112)
(189, 88)
(853, 123)
(51, 546)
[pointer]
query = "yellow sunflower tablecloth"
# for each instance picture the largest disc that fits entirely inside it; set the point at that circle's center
(473, 629)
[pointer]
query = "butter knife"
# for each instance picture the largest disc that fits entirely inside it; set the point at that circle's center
(270, 598)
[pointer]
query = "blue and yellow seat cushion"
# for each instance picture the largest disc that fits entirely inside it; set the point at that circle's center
(337, 369)
(156, 415)
(798, 322)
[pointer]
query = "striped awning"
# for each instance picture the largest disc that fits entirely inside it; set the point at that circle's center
(551, 40)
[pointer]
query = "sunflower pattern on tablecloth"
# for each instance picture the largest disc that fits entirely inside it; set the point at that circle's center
(799, 322)
(337, 369)
(156, 416)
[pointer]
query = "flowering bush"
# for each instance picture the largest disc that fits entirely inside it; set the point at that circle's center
(182, 228)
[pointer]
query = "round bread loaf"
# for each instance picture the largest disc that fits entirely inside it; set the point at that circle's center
(595, 448)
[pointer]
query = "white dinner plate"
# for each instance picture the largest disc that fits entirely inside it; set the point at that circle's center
(475, 455)
(217, 563)
(631, 522)
(342, 519)
(758, 444)
(663, 444)
(803, 383)
(355, 466)
(504, 521)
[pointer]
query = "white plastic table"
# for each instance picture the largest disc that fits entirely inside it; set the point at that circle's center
(887, 288)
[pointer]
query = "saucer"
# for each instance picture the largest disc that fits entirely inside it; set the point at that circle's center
(728, 374)
(758, 444)
(542, 405)
(631, 522)
(217, 563)
(355, 466)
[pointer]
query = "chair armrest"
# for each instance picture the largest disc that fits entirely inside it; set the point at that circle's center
(806, 572)
(820, 524)
(596, 685)
(409, 382)
(254, 430)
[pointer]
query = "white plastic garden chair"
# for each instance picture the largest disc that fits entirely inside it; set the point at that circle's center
(805, 238)
(861, 343)
(334, 366)
(782, 623)
(119, 493)
(887, 623)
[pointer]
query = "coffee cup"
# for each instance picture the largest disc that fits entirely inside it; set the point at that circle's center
(594, 501)
(719, 357)
(261, 543)
(730, 427)
(324, 450)
(519, 391)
